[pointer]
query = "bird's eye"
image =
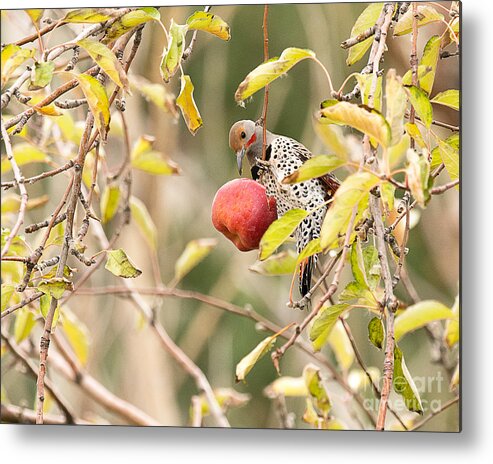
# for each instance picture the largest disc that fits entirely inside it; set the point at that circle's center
(243, 135)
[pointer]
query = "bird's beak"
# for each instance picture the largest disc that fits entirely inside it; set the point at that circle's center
(239, 159)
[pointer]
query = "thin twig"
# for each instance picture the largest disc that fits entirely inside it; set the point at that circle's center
(266, 93)
(44, 175)
(435, 413)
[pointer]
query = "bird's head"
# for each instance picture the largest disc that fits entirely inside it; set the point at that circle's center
(242, 135)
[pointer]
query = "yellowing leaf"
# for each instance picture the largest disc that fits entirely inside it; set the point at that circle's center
(333, 139)
(279, 231)
(187, 105)
(118, 263)
(366, 120)
(35, 15)
(97, 99)
(144, 221)
(130, 20)
(387, 191)
(109, 202)
(421, 104)
(365, 82)
(279, 264)
(312, 248)
(365, 20)
(7, 292)
(324, 322)
(414, 132)
(429, 60)
(194, 253)
(450, 157)
(12, 57)
(317, 390)
(208, 22)
(341, 346)
(420, 314)
(88, 15)
(426, 14)
(247, 363)
(452, 327)
(287, 387)
(174, 52)
(351, 192)
(77, 335)
(436, 157)
(44, 307)
(24, 323)
(24, 153)
(314, 167)
(418, 174)
(448, 98)
(396, 103)
(269, 71)
(106, 60)
(55, 286)
(404, 384)
(41, 75)
(157, 94)
(146, 159)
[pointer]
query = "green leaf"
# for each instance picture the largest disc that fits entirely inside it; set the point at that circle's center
(269, 71)
(314, 167)
(324, 322)
(97, 99)
(448, 98)
(341, 346)
(452, 328)
(193, 254)
(7, 292)
(365, 20)
(351, 192)
(421, 104)
(109, 202)
(450, 157)
(88, 15)
(119, 264)
(157, 94)
(317, 390)
(365, 82)
(12, 57)
(24, 323)
(208, 22)
(436, 158)
(404, 384)
(420, 314)
(313, 247)
(357, 264)
(360, 293)
(44, 307)
(426, 14)
(24, 153)
(286, 387)
(360, 117)
(55, 286)
(279, 231)
(279, 264)
(333, 139)
(106, 60)
(429, 60)
(247, 363)
(144, 221)
(376, 332)
(77, 335)
(130, 20)
(387, 191)
(396, 103)
(187, 105)
(41, 75)
(418, 174)
(146, 159)
(173, 54)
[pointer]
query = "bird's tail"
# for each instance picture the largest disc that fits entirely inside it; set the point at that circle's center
(305, 280)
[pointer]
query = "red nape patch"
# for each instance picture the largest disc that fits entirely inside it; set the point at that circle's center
(252, 139)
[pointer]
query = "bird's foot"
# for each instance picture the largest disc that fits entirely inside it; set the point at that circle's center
(263, 164)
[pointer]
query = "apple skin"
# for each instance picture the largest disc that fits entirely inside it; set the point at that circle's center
(242, 212)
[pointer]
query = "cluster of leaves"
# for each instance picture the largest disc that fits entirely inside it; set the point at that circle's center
(393, 138)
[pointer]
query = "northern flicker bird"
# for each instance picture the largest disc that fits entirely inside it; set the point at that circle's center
(282, 157)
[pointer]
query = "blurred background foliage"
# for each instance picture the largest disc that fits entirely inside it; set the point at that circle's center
(123, 356)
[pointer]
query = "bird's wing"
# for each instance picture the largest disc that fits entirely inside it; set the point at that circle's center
(329, 181)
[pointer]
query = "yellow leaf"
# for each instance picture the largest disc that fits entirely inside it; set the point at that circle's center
(314, 167)
(448, 98)
(144, 221)
(421, 104)
(208, 22)
(341, 346)
(426, 14)
(77, 335)
(109, 202)
(88, 15)
(194, 253)
(24, 323)
(55, 286)
(269, 71)
(187, 105)
(286, 386)
(146, 159)
(280, 264)
(118, 263)
(12, 57)
(155, 93)
(24, 153)
(130, 20)
(396, 100)
(106, 60)
(418, 173)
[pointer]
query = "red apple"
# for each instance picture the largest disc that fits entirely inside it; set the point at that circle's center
(242, 212)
